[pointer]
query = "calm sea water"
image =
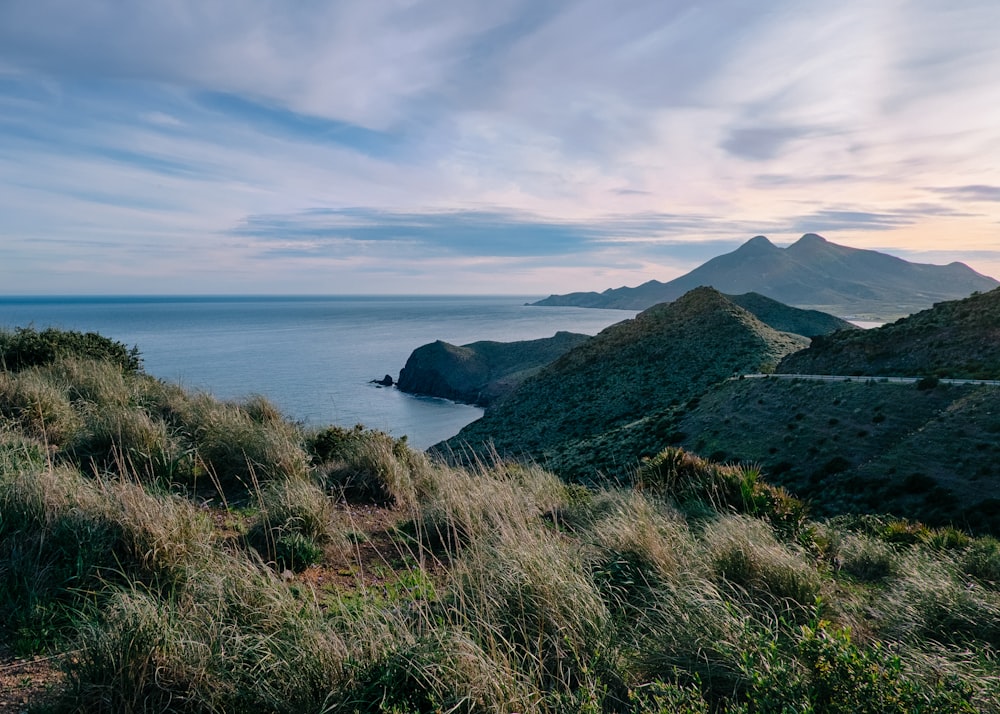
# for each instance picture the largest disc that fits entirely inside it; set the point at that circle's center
(312, 357)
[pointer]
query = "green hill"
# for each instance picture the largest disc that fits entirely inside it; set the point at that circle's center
(482, 372)
(861, 446)
(786, 318)
(662, 358)
(959, 339)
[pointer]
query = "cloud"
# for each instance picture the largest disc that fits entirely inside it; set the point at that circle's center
(976, 193)
(520, 134)
(761, 144)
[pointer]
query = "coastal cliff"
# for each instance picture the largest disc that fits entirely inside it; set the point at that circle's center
(480, 373)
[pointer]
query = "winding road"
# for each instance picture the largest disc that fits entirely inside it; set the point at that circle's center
(862, 378)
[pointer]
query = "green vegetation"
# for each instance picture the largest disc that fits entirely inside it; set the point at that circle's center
(855, 447)
(576, 415)
(956, 339)
(174, 552)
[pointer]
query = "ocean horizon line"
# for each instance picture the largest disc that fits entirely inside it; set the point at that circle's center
(250, 297)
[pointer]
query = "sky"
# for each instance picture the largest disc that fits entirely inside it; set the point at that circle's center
(511, 147)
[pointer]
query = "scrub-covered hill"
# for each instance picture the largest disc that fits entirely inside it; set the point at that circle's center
(660, 359)
(914, 450)
(960, 338)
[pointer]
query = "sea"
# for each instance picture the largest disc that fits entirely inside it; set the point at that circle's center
(312, 357)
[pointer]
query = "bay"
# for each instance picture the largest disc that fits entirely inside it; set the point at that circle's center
(313, 357)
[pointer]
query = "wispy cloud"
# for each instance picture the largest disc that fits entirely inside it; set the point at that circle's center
(971, 193)
(262, 146)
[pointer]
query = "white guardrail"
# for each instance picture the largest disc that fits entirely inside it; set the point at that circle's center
(867, 378)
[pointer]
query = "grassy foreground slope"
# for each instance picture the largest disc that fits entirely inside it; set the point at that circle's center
(663, 357)
(170, 552)
(958, 339)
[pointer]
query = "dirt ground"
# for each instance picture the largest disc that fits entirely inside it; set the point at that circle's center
(27, 681)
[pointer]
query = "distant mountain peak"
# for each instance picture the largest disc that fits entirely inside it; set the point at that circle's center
(810, 273)
(758, 243)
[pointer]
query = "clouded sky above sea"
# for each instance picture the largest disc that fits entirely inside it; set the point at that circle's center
(515, 146)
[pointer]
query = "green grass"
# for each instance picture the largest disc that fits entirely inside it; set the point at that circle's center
(157, 570)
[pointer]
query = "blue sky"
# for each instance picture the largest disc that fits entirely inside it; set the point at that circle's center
(517, 146)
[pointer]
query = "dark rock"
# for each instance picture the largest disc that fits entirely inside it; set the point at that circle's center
(481, 372)
(386, 381)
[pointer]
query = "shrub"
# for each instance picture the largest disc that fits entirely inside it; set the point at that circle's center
(37, 407)
(232, 638)
(295, 524)
(27, 347)
(525, 589)
(868, 559)
(686, 477)
(835, 675)
(927, 383)
(982, 561)
(236, 450)
(64, 537)
(368, 466)
(745, 553)
(459, 506)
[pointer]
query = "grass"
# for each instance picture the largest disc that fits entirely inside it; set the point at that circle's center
(179, 553)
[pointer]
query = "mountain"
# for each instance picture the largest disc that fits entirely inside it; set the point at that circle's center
(662, 358)
(811, 273)
(785, 318)
(959, 338)
(481, 372)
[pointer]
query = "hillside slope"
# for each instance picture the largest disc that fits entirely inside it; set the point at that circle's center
(959, 339)
(480, 372)
(786, 318)
(860, 446)
(811, 272)
(662, 358)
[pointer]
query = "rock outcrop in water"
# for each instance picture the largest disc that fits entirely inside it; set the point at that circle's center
(481, 372)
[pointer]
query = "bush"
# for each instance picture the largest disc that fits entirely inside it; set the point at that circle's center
(27, 347)
(236, 450)
(686, 477)
(745, 553)
(834, 675)
(982, 561)
(38, 408)
(296, 523)
(868, 559)
(368, 466)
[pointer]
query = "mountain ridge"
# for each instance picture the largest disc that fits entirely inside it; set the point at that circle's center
(811, 273)
(957, 338)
